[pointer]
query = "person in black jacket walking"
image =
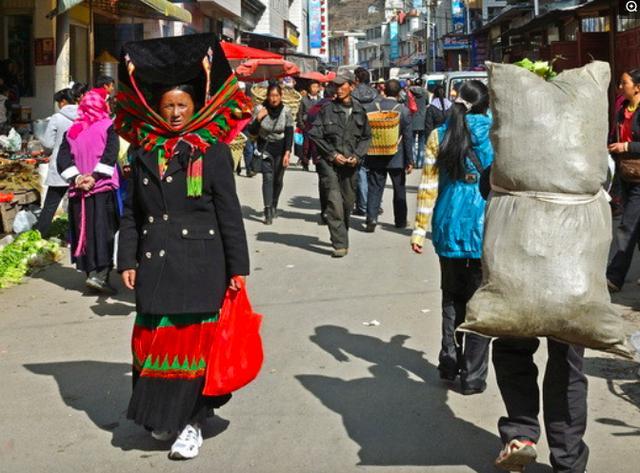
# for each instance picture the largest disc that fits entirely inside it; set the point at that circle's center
(182, 241)
(397, 166)
(437, 111)
(342, 134)
(273, 127)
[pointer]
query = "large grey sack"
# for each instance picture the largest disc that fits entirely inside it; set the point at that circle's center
(550, 136)
(544, 257)
(544, 274)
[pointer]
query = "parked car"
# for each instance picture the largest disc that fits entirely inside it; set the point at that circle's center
(454, 80)
(433, 80)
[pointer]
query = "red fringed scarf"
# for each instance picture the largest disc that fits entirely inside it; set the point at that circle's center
(220, 119)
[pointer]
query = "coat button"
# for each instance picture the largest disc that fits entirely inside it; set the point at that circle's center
(148, 254)
(165, 217)
(145, 231)
(145, 181)
(150, 219)
(211, 232)
(185, 231)
(169, 179)
(162, 253)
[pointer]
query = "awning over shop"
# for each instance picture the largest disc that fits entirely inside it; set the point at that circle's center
(591, 7)
(136, 8)
(265, 41)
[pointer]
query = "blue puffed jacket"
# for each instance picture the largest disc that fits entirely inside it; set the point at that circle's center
(458, 216)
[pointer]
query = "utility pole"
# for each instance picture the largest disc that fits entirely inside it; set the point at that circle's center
(427, 40)
(469, 41)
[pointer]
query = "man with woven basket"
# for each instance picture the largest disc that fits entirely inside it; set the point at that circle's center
(342, 134)
(391, 153)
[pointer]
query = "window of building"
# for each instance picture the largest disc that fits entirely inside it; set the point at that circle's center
(596, 25)
(626, 23)
(570, 31)
(17, 67)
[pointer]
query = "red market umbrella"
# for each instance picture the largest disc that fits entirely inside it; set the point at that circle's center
(258, 70)
(238, 52)
(318, 76)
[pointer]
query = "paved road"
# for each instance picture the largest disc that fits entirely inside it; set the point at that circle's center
(334, 395)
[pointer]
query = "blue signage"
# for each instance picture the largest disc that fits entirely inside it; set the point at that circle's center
(395, 41)
(315, 24)
(458, 18)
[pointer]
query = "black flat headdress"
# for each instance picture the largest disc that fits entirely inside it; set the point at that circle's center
(148, 68)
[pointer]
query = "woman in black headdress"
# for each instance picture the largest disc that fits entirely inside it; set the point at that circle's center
(182, 240)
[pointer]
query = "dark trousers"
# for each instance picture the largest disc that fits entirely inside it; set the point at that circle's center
(339, 186)
(322, 193)
(564, 394)
(376, 180)
(467, 354)
(51, 203)
(627, 235)
(247, 154)
(272, 180)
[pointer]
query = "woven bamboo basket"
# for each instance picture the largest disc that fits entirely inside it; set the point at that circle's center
(237, 149)
(385, 133)
(291, 98)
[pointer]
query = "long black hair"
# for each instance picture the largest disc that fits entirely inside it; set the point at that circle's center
(457, 139)
(439, 94)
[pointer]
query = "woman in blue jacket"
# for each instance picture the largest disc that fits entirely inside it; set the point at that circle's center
(462, 150)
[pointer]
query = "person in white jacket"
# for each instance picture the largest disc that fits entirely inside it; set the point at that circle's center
(58, 125)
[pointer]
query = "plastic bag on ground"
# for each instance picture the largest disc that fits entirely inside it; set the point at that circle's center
(24, 221)
(545, 255)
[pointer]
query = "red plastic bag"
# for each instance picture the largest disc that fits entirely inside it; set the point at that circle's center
(236, 349)
(411, 102)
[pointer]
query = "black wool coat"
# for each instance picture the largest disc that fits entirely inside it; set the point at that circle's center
(185, 249)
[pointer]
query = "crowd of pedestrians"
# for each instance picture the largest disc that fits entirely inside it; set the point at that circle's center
(182, 242)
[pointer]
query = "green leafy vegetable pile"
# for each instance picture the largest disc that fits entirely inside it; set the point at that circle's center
(60, 228)
(28, 250)
(542, 68)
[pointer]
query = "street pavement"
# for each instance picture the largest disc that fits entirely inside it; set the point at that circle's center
(334, 395)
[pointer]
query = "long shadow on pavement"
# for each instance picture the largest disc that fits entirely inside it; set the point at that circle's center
(303, 242)
(102, 391)
(394, 418)
(120, 304)
(622, 381)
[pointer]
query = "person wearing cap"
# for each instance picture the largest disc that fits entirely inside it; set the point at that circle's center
(342, 134)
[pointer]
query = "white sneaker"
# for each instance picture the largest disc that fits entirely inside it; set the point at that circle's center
(162, 436)
(188, 443)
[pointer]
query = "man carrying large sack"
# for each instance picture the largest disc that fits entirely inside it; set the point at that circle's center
(547, 236)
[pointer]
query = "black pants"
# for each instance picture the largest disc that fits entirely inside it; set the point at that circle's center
(272, 180)
(627, 235)
(322, 193)
(376, 180)
(339, 186)
(470, 356)
(51, 203)
(564, 395)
